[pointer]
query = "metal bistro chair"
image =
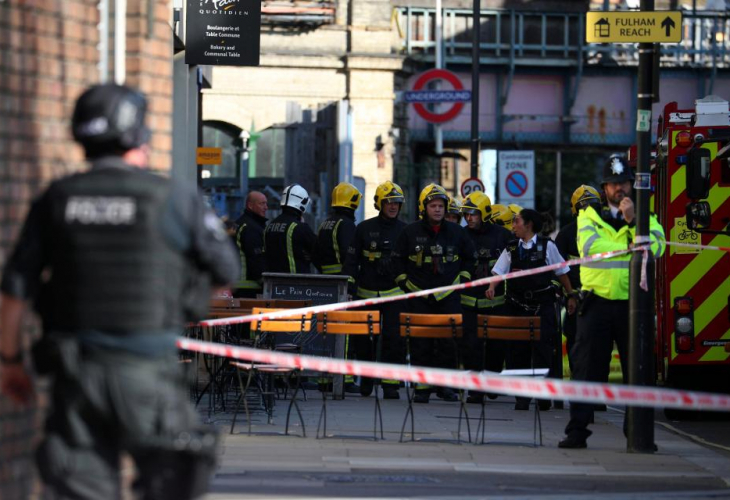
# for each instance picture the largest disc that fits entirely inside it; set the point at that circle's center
(515, 329)
(265, 337)
(350, 323)
(432, 326)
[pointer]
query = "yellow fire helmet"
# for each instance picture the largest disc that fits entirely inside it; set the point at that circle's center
(388, 191)
(346, 195)
(583, 197)
(454, 206)
(477, 202)
(501, 215)
(516, 209)
(430, 193)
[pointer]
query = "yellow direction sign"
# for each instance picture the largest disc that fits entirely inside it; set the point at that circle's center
(209, 156)
(634, 27)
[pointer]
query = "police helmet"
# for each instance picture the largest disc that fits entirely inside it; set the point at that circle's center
(389, 191)
(296, 197)
(616, 169)
(583, 197)
(346, 195)
(110, 118)
(430, 193)
(477, 202)
(502, 215)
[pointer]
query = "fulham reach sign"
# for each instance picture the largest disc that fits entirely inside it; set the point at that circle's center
(634, 27)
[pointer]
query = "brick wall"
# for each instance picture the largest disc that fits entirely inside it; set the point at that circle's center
(48, 55)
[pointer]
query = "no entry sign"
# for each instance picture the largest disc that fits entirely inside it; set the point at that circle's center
(517, 178)
(457, 96)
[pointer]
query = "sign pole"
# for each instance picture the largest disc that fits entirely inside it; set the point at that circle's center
(476, 41)
(641, 371)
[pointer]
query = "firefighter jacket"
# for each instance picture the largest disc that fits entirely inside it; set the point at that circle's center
(489, 241)
(125, 249)
(427, 257)
(368, 261)
(610, 278)
(289, 244)
(250, 243)
(333, 239)
(567, 243)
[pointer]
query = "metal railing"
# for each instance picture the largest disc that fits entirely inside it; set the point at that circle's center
(553, 39)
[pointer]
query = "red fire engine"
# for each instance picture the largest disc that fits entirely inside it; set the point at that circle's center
(692, 201)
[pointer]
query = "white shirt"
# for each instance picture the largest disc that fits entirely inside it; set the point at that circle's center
(552, 256)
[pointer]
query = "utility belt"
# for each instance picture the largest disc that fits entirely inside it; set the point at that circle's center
(532, 300)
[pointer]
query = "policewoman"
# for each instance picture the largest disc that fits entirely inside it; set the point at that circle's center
(371, 275)
(603, 316)
(117, 259)
(532, 295)
(430, 253)
(289, 242)
(489, 241)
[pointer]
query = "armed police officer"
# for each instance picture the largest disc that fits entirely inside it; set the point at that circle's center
(489, 241)
(603, 316)
(532, 295)
(371, 273)
(567, 243)
(430, 253)
(289, 242)
(250, 243)
(110, 255)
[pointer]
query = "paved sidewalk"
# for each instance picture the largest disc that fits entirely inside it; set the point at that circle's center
(270, 465)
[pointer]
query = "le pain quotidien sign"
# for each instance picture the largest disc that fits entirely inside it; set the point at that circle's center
(223, 32)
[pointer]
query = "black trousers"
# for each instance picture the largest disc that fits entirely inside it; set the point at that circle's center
(104, 403)
(601, 322)
(392, 346)
(476, 355)
(438, 353)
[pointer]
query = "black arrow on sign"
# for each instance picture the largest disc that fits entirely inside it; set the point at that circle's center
(668, 24)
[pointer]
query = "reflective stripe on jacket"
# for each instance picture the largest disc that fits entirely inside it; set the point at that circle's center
(610, 278)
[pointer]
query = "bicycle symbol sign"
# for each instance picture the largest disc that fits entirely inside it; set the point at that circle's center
(516, 183)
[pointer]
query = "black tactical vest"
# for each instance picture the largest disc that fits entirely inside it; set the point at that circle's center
(112, 267)
(523, 259)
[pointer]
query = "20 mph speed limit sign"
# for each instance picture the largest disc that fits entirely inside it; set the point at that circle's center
(470, 185)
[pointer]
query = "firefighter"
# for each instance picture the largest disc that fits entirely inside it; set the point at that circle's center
(250, 242)
(369, 266)
(532, 295)
(289, 243)
(603, 316)
(336, 232)
(489, 240)
(501, 215)
(433, 252)
(567, 243)
(110, 254)
(453, 212)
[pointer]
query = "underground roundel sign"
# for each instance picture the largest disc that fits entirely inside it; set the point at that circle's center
(420, 95)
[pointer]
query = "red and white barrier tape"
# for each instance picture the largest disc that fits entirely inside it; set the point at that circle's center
(700, 247)
(421, 293)
(586, 392)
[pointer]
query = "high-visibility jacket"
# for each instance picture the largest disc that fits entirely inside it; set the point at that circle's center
(333, 239)
(610, 278)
